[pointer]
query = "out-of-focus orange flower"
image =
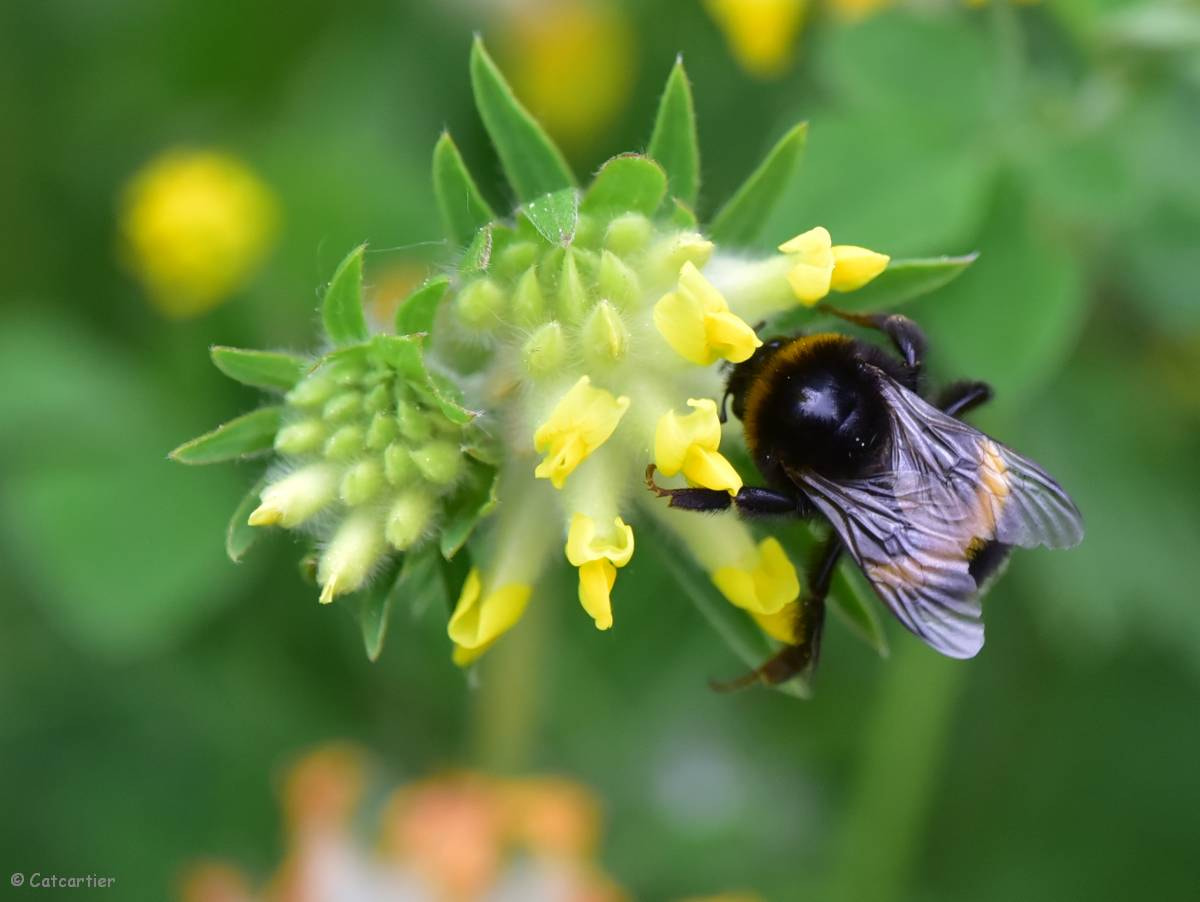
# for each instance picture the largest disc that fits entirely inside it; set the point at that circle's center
(322, 790)
(214, 882)
(552, 815)
(391, 286)
(195, 225)
(571, 62)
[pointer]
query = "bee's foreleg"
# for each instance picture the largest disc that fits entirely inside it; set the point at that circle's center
(750, 501)
(959, 398)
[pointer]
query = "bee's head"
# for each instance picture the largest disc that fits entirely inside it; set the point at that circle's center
(813, 404)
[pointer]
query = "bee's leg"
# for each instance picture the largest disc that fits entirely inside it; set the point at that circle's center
(750, 501)
(959, 398)
(810, 624)
(906, 335)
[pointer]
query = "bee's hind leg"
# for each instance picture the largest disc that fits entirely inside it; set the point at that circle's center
(801, 656)
(960, 398)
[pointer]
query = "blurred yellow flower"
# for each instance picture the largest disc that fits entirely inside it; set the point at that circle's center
(761, 33)
(479, 620)
(571, 62)
(819, 266)
(764, 582)
(195, 225)
(598, 555)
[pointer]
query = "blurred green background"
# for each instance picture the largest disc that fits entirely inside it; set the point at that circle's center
(150, 689)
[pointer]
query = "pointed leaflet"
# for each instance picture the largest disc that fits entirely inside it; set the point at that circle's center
(673, 142)
(743, 216)
(240, 535)
(471, 502)
(247, 434)
(417, 311)
(902, 281)
(555, 215)
(271, 370)
(373, 605)
(533, 164)
(464, 211)
(342, 310)
(628, 183)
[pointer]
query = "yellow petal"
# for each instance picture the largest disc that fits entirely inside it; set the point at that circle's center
(584, 545)
(781, 625)
(711, 470)
(478, 620)
(581, 422)
(854, 267)
(596, 579)
(810, 283)
(696, 322)
(729, 337)
(814, 246)
(761, 33)
(763, 583)
(680, 320)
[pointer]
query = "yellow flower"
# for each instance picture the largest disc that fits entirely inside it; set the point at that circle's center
(819, 266)
(598, 558)
(479, 620)
(781, 625)
(195, 225)
(763, 583)
(689, 443)
(580, 423)
(760, 33)
(572, 63)
(856, 10)
(696, 322)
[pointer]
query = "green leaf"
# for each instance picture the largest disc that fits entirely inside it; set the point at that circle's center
(240, 535)
(271, 370)
(630, 182)
(422, 583)
(417, 311)
(404, 354)
(735, 627)
(555, 215)
(854, 601)
(472, 501)
(342, 310)
(743, 217)
(373, 605)
(478, 254)
(248, 434)
(533, 164)
(464, 211)
(902, 281)
(682, 216)
(673, 142)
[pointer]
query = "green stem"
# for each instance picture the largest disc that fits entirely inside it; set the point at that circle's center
(508, 702)
(884, 825)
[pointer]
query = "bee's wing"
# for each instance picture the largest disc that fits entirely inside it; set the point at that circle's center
(948, 492)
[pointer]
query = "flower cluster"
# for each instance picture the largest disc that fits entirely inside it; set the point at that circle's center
(510, 419)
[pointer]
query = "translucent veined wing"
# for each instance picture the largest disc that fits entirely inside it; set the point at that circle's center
(936, 521)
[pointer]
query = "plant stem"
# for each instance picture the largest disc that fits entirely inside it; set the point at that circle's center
(884, 825)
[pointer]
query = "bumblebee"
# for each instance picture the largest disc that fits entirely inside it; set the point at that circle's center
(927, 506)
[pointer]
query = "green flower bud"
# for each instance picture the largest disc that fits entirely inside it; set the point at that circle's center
(408, 518)
(378, 399)
(347, 561)
(291, 500)
(605, 337)
(529, 306)
(346, 442)
(545, 351)
(398, 466)
(361, 481)
(316, 389)
(301, 437)
(572, 295)
(617, 282)
(439, 461)
(342, 406)
(515, 258)
(481, 303)
(628, 234)
(382, 430)
(414, 423)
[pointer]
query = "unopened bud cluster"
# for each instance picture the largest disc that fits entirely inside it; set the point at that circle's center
(364, 462)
